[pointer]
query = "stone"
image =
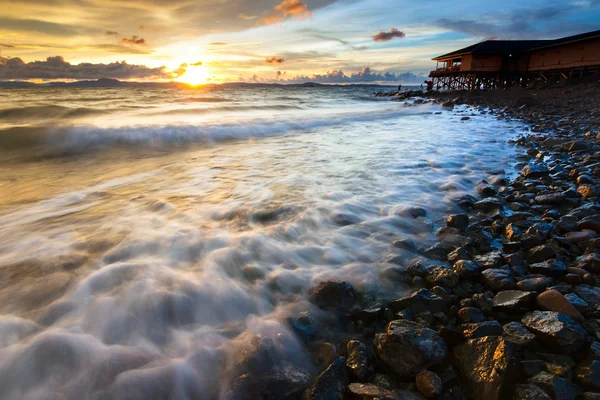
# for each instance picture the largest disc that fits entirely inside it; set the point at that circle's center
(429, 384)
(304, 326)
(537, 283)
(587, 191)
(550, 198)
(493, 259)
(591, 222)
(558, 331)
(550, 268)
(444, 277)
(498, 279)
(589, 294)
(517, 333)
(530, 392)
(589, 262)
(579, 237)
(555, 387)
(535, 171)
(568, 223)
(422, 300)
(488, 204)
(470, 314)
(365, 391)
(488, 367)
(513, 301)
(458, 254)
(458, 221)
(407, 348)
(577, 302)
(330, 384)
(333, 295)
(587, 374)
(552, 300)
(540, 253)
(357, 361)
(482, 329)
(467, 269)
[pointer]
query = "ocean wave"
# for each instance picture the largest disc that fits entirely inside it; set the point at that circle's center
(272, 107)
(47, 112)
(205, 100)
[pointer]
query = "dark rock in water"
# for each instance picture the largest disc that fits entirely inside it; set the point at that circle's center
(421, 267)
(369, 314)
(412, 211)
(466, 201)
(486, 190)
(550, 268)
(304, 326)
(333, 295)
(537, 283)
(458, 254)
(589, 294)
(488, 368)
(357, 362)
(482, 329)
(422, 300)
(530, 392)
(448, 105)
(493, 259)
(467, 269)
(535, 171)
(552, 300)
(514, 301)
(555, 387)
(498, 279)
(587, 374)
(444, 277)
(407, 348)
(405, 244)
(488, 204)
(469, 315)
(558, 331)
(482, 240)
(458, 221)
(429, 384)
(465, 118)
(323, 354)
(540, 253)
(517, 333)
(330, 384)
(367, 391)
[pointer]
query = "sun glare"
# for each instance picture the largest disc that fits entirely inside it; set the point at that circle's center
(196, 75)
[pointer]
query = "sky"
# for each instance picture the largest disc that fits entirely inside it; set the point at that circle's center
(206, 41)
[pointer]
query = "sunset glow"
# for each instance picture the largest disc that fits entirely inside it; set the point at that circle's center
(195, 76)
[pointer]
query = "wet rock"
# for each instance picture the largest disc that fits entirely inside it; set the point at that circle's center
(530, 392)
(591, 222)
(444, 277)
(587, 374)
(412, 212)
(517, 333)
(579, 237)
(330, 384)
(304, 326)
(422, 300)
(488, 367)
(429, 384)
(558, 331)
(467, 269)
(550, 268)
(552, 300)
(357, 362)
(537, 283)
(482, 329)
(589, 294)
(362, 391)
(333, 295)
(483, 302)
(470, 314)
(514, 301)
(535, 171)
(493, 259)
(486, 190)
(498, 279)
(589, 262)
(458, 221)
(407, 348)
(568, 223)
(466, 201)
(555, 387)
(488, 204)
(369, 314)
(458, 254)
(587, 191)
(550, 198)
(421, 267)
(540, 253)
(577, 302)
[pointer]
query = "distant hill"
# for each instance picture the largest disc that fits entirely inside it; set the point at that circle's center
(111, 83)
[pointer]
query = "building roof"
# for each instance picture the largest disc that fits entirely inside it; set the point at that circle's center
(516, 46)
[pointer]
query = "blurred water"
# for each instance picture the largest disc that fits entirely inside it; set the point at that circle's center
(148, 235)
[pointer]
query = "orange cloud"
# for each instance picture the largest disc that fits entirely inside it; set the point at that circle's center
(385, 36)
(275, 60)
(111, 33)
(285, 10)
(134, 40)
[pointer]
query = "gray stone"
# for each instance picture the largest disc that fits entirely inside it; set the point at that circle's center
(498, 279)
(517, 333)
(558, 331)
(555, 387)
(330, 384)
(422, 300)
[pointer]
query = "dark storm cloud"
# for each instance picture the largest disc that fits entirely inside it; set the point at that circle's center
(134, 40)
(385, 36)
(58, 68)
(275, 60)
(111, 33)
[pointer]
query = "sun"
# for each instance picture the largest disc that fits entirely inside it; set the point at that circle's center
(195, 75)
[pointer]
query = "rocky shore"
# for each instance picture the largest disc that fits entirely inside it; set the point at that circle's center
(506, 305)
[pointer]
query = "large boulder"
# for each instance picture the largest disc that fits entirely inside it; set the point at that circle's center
(558, 331)
(488, 367)
(330, 384)
(407, 348)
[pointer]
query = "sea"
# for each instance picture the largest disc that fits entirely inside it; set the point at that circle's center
(153, 239)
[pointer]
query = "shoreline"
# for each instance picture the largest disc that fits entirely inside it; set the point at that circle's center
(506, 304)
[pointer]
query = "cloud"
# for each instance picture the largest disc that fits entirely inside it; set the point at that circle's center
(247, 17)
(287, 9)
(273, 60)
(218, 44)
(134, 40)
(111, 33)
(365, 75)
(34, 25)
(118, 48)
(57, 68)
(6, 45)
(198, 64)
(385, 36)
(315, 33)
